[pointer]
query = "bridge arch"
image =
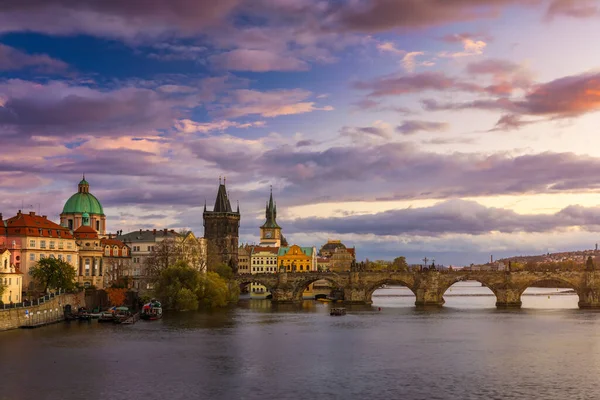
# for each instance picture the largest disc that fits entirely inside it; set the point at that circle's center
(247, 279)
(571, 283)
(302, 284)
(482, 279)
(387, 281)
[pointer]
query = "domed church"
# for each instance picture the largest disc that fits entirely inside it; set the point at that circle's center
(83, 202)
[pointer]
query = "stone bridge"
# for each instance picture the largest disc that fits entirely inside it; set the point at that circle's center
(428, 286)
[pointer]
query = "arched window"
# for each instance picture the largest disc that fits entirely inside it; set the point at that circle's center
(5, 264)
(107, 251)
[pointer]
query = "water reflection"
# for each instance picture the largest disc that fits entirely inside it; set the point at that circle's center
(465, 350)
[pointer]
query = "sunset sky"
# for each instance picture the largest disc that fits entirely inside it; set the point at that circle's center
(452, 129)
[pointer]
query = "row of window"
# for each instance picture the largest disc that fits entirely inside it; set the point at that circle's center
(8, 281)
(272, 261)
(138, 248)
(263, 269)
(32, 257)
(115, 250)
(51, 244)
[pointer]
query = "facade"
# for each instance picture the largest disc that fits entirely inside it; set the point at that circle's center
(11, 278)
(244, 253)
(90, 272)
(323, 264)
(142, 244)
(221, 229)
(298, 259)
(263, 260)
(340, 257)
(270, 232)
(116, 261)
(193, 249)
(38, 237)
(83, 202)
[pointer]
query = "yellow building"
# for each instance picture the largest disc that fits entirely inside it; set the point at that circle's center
(298, 259)
(10, 278)
(263, 260)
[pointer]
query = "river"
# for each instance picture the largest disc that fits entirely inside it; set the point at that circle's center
(467, 350)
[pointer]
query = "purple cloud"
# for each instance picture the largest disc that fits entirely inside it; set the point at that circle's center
(13, 59)
(413, 126)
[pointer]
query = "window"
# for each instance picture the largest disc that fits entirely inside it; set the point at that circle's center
(52, 244)
(124, 251)
(60, 257)
(61, 245)
(107, 251)
(87, 267)
(68, 258)
(97, 225)
(31, 257)
(42, 244)
(31, 243)
(71, 224)
(69, 245)
(52, 256)
(42, 256)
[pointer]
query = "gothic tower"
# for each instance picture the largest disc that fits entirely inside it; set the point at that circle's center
(270, 232)
(221, 229)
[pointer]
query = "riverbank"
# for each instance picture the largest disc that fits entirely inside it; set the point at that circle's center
(47, 312)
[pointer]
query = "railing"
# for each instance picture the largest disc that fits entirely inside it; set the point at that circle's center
(24, 304)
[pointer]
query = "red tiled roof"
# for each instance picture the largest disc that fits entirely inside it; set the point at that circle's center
(35, 225)
(86, 232)
(112, 242)
(257, 249)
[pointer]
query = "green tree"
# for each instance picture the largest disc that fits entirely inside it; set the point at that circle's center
(174, 285)
(52, 273)
(400, 264)
(213, 291)
(224, 271)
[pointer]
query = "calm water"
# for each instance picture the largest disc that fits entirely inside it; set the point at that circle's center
(468, 350)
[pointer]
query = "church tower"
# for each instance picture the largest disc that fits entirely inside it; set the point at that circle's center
(221, 228)
(270, 232)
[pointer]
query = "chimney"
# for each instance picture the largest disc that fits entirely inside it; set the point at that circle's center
(140, 231)
(32, 213)
(110, 235)
(45, 216)
(154, 231)
(1, 220)
(19, 213)
(491, 259)
(165, 232)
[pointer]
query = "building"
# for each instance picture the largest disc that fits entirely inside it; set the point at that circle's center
(270, 232)
(90, 272)
(323, 264)
(193, 250)
(298, 259)
(221, 229)
(83, 202)
(142, 244)
(116, 261)
(11, 278)
(263, 260)
(340, 257)
(37, 237)
(244, 253)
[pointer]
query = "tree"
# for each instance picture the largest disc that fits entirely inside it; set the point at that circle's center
(116, 296)
(213, 291)
(174, 284)
(165, 254)
(400, 264)
(52, 273)
(224, 271)
(589, 264)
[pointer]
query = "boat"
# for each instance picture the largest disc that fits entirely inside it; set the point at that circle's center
(338, 311)
(324, 300)
(152, 311)
(121, 314)
(106, 316)
(83, 314)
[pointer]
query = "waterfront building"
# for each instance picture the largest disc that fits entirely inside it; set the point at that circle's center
(83, 202)
(270, 231)
(263, 260)
(340, 257)
(90, 272)
(116, 261)
(244, 259)
(298, 259)
(11, 278)
(221, 229)
(37, 237)
(142, 244)
(193, 250)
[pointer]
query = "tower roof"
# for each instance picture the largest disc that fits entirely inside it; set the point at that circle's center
(222, 203)
(271, 214)
(83, 201)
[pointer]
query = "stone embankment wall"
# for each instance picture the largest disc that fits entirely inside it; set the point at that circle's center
(51, 310)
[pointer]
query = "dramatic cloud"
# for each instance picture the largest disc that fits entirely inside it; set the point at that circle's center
(132, 20)
(574, 8)
(394, 85)
(270, 104)
(383, 15)
(450, 217)
(13, 59)
(414, 126)
(470, 48)
(59, 109)
(189, 126)
(257, 61)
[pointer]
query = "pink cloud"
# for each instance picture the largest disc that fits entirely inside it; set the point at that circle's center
(257, 61)
(574, 8)
(394, 85)
(13, 59)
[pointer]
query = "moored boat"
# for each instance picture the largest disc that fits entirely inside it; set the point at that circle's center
(106, 316)
(338, 311)
(152, 311)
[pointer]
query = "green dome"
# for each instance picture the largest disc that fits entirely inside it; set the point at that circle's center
(83, 202)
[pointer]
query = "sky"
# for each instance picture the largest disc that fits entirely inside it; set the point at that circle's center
(452, 130)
